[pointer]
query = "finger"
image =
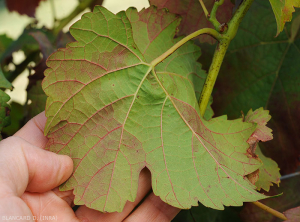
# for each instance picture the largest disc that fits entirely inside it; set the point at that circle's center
(67, 196)
(30, 168)
(12, 206)
(153, 209)
(33, 131)
(92, 215)
(49, 207)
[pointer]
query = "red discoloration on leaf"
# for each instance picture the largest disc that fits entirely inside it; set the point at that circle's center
(193, 17)
(253, 177)
(24, 7)
(261, 117)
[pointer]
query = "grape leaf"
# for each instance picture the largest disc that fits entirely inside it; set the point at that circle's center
(4, 83)
(25, 42)
(4, 43)
(37, 99)
(293, 215)
(283, 11)
(261, 117)
(193, 15)
(264, 72)
(17, 114)
(4, 110)
(24, 7)
(268, 172)
(114, 114)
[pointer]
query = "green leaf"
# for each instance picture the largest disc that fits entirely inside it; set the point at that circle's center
(264, 72)
(193, 15)
(115, 114)
(37, 99)
(4, 111)
(4, 83)
(283, 11)
(4, 43)
(26, 43)
(17, 115)
(268, 172)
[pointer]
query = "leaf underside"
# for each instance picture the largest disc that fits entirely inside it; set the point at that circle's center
(268, 172)
(115, 114)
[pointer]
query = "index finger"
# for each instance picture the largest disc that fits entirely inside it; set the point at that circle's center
(33, 131)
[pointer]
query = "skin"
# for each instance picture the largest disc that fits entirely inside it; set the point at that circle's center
(30, 175)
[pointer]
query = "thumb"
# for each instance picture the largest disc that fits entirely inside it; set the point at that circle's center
(29, 168)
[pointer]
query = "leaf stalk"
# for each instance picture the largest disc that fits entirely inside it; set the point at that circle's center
(204, 8)
(208, 31)
(270, 210)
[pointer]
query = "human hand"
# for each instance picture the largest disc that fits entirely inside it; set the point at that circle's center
(30, 175)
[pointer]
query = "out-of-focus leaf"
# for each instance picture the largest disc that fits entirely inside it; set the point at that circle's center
(63, 38)
(205, 214)
(46, 49)
(17, 115)
(23, 7)
(268, 172)
(4, 43)
(26, 43)
(36, 100)
(290, 198)
(44, 43)
(4, 111)
(293, 215)
(262, 71)
(193, 17)
(114, 114)
(283, 11)
(4, 83)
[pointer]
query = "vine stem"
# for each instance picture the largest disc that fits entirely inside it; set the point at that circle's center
(220, 52)
(213, 74)
(213, 15)
(208, 31)
(270, 210)
(204, 8)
